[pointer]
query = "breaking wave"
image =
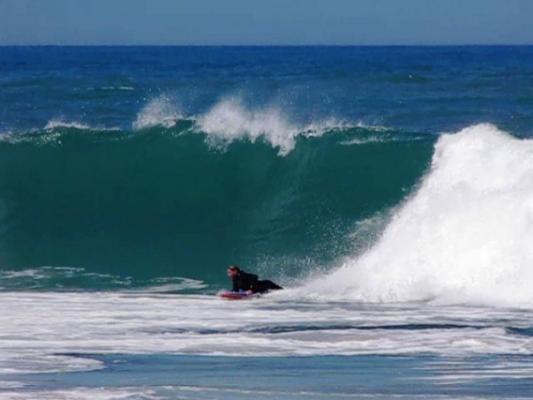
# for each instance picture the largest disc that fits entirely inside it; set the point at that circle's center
(162, 202)
(464, 236)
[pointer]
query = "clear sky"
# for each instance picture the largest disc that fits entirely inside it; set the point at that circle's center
(261, 22)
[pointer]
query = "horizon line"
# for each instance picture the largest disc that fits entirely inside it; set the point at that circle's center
(265, 45)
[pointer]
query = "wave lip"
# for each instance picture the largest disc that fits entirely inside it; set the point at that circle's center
(463, 237)
(229, 120)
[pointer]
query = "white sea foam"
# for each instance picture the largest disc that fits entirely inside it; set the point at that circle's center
(160, 111)
(365, 140)
(59, 123)
(51, 132)
(230, 120)
(5, 134)
(54, 124)
(44, 331)
(29, 362)
(10, 385)
(463, 237)
(51, 136)
(83, 393)
(171, 284)
(461, 371)
(381, 136)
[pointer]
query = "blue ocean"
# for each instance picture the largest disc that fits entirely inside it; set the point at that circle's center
(388, 189)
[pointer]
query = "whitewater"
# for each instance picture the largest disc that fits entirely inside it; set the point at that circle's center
(462, 236)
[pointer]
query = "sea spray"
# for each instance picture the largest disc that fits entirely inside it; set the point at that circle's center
(160, 111)
(463, 237)
(230, 120)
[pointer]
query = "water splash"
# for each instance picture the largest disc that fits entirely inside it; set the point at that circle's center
(464, 236)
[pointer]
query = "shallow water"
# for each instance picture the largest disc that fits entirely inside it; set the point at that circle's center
(210, 377)
(142, 345)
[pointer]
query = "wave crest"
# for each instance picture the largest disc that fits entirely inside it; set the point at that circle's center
(230, 120)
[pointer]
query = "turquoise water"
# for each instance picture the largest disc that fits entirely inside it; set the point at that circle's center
(162, 203)
(389, 189)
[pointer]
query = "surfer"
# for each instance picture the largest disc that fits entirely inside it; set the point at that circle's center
(243, 281)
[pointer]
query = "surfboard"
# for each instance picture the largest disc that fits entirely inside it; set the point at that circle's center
(228, 295)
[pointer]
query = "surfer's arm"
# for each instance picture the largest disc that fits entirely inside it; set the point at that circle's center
(248, 281)
(253, 283)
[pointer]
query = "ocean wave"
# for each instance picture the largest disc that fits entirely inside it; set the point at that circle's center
(462, 237)
(156, 201)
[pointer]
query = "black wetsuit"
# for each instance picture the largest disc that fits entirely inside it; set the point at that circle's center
(246, 281)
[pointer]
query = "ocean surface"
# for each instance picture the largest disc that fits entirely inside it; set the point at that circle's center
(389, 189)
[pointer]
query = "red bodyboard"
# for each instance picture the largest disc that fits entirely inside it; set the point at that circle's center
(235, 295)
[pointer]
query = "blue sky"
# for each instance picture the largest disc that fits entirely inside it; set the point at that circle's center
(262, 22)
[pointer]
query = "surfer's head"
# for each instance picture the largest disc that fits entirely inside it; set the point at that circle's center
(233, 271)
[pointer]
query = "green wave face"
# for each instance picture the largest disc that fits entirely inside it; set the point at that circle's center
(163, 202)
